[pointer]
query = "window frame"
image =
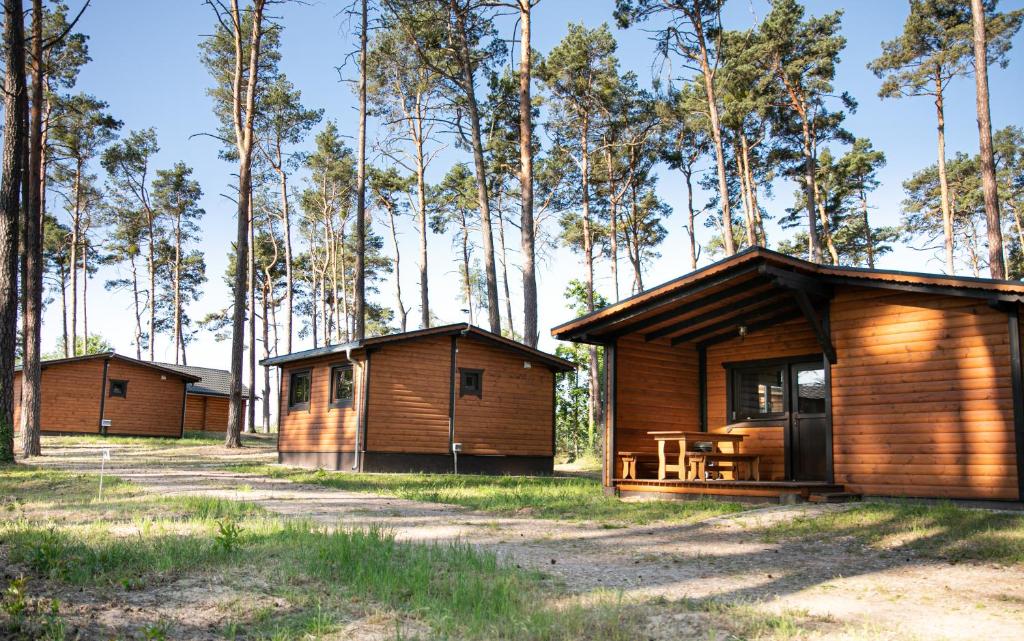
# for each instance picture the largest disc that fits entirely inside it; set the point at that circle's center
(463, 390)
(332, 402)
(735, 372)
(785, 363)
(291, 389)
(124, 386)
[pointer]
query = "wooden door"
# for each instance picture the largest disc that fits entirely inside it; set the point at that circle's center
(809, 422)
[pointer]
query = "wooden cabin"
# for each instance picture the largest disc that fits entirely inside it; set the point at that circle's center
(764, 375)
(110, 394)
(206, 400)
(426, 400)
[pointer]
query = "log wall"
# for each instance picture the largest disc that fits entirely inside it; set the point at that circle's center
(515, 415)
(656, 389)
(153, 406)
(921, 396)
(206, 413)
(320, 427)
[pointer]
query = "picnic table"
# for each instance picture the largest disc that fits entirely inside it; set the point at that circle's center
(693, 464)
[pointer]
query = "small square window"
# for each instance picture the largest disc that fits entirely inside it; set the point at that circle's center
(471, 382)
(118, 389)
(299, 389)
(342, 386)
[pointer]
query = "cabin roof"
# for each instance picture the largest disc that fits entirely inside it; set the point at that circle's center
(160, 367)
(754, 285)
(444, 330)
(212, 381)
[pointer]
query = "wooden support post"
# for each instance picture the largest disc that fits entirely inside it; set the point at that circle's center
(1017, 387)
(610, 367)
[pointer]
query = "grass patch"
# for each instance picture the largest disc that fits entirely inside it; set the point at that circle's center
(326, 576)
(941, 530)
(543, 497)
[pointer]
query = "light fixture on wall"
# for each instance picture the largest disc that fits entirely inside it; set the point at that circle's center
(743, 331)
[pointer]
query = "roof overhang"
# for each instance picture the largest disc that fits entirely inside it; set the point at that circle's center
(117, 357)
(464, 329)
(752, 288)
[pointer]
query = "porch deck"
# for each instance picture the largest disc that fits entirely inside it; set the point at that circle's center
(764, 490)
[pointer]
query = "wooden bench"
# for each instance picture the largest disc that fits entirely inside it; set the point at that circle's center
(628, 462)
(752, 462)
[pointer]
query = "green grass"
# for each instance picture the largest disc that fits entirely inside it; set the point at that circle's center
(941, 530)
(326, 576)
(542, 497)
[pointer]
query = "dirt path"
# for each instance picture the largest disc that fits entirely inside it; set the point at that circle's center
(861, 591)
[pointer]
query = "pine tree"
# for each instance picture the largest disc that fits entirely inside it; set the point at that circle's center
(934, 49)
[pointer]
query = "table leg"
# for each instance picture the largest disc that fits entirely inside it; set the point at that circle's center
(661, 460)
(682, 461)
(757, 468)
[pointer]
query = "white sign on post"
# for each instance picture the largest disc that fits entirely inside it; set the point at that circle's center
(103, 461)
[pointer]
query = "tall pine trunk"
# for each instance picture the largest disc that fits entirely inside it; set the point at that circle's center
(243, 126)
(178, 342)
(15, 101)
(613, 214)
(76, 241)
(85, 294)
(469, 89)
(286, 223)
(528, 238)
(250, 423)
(403, 313)
(421, 220)
(993, 221)
(504, 276)
(137, 308)
(947, 210)
(32, 264)
(716, 132)
(359, 293)
(691, 217)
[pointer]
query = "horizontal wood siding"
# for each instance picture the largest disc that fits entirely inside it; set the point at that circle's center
(70, 397)
(195, 413)
(152, 407)
(206, 413)
(320, 428)
(409, 397)
(656, 389)
(514, 415)
(921, 396)
(792, 338)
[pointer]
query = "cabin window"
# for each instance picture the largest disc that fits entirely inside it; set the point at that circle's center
(119, 389)
(758, 393)
(471, 382)
(299, 390)
(342, 387)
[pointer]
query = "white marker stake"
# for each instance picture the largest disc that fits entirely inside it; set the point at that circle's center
(103, 461)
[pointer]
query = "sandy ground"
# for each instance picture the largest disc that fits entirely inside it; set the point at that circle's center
(860, 592)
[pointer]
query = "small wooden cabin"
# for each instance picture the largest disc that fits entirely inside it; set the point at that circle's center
(206, 401)
(424, 400)
(110, 394)
(831, 379)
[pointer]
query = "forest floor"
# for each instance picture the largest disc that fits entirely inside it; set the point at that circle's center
(867, 571)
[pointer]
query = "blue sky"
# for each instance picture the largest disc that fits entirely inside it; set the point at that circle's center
(145, 64)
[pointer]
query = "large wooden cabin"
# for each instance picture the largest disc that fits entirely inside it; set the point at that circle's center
(839, 379)
(424, 400)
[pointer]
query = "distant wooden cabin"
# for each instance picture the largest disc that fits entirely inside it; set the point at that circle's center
(206, 402)
(840, 379)
(111, 394)
(418, 400)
